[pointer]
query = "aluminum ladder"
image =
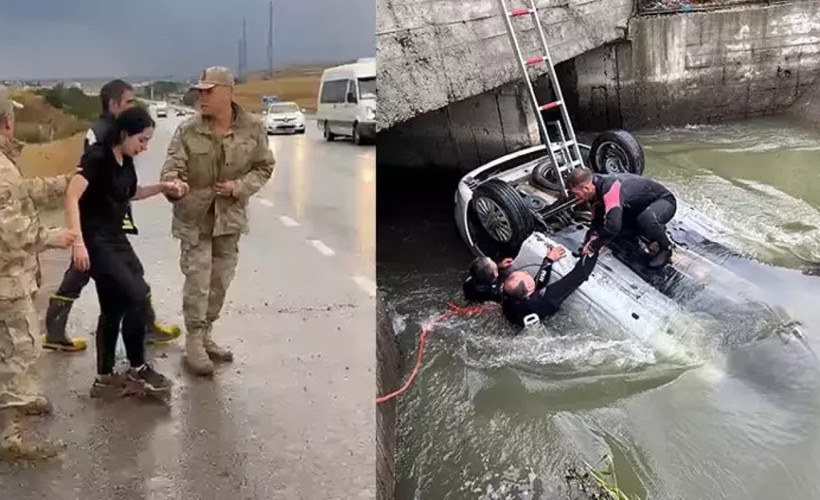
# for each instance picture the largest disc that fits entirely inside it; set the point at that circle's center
(563, 145)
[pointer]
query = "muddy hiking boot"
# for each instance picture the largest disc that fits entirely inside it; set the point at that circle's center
(196, 357)
(107, 386)
(156, 332)
(56, 320)
(150, 379)
(216, 352)
(13, 448)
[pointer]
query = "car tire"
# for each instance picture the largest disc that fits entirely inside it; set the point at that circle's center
(503, 215)
(543, 175)
(616, 151)
(357, 135)
(329, 136)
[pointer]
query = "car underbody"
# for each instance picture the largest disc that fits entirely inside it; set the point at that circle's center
(502, 207)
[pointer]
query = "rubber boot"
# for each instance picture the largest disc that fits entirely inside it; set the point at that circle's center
(56, 320)
(196, 358)
(158, 333)
(12, 446)
(216, 352)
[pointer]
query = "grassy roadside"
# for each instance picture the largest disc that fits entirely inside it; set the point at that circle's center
(52, 158)
(300, 86)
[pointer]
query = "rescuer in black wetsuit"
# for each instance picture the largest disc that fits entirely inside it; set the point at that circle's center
(625, 201)
(486, 279)
(529, 301)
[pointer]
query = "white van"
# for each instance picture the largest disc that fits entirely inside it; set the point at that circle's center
(347, 101)
(162, 109)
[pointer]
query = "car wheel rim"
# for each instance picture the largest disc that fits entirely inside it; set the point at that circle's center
(612, 158)
(493, 219)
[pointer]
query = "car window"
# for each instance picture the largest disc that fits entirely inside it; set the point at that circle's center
(351, 89)
(333, 91)
(367, 88)
(285, 107)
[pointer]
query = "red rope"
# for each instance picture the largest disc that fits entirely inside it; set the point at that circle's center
(425, 329)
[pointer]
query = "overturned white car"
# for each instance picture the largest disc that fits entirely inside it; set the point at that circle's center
(514, 207)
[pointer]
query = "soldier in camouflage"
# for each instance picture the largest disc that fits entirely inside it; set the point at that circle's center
(223, 155)
(22, 237)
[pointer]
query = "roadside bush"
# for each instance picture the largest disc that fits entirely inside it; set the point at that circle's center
(72, 100)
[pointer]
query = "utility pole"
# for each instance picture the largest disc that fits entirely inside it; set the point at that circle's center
(244, 48)
(270, 40)
(239, 60)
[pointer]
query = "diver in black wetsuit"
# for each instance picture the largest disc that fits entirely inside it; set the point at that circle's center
(626, 201)
(486, 279)
(529, 301)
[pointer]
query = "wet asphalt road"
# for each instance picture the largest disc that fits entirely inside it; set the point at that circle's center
(293, 416)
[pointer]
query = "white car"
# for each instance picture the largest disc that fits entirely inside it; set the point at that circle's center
(284, 117)
(513, 207)
(161, 109)
(346, 104)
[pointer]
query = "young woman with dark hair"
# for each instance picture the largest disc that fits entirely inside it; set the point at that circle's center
(96, 202)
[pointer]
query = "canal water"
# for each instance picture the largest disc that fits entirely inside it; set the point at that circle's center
(492, 416)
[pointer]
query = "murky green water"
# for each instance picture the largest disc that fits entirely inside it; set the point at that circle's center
(492, 416)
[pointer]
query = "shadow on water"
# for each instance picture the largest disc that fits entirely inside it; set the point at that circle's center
(498, 415)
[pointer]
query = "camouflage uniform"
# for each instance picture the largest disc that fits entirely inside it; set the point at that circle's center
(21, 238)
(209, 226)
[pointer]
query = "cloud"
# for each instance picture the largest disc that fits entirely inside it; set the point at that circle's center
(102, 38)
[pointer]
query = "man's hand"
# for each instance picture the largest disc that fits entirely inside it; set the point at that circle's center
(556, 253)
(587, 250)
(175, 189)
(79, 254)
(67, 238)
(505, 263)
(225, 188)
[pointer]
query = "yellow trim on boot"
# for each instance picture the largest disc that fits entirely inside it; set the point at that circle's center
(76, 345)
(169, 332)
(61, 298)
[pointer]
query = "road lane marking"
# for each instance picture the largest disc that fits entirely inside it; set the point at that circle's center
(288, 221)
(365, 284)
(322, 248)
(265, 202)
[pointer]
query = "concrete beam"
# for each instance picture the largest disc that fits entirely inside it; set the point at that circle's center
(436, 52)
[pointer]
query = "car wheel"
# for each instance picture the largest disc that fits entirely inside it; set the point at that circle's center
(543, 175)
(616, 152)
(329, 136)
(357, 135)
(503, 215)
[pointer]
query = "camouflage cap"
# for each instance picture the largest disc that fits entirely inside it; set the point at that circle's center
(7, 104)
(213, 76)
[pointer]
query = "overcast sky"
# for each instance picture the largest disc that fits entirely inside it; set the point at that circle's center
(102, 38)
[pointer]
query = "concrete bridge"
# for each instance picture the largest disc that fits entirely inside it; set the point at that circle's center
(450, 89)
